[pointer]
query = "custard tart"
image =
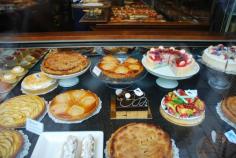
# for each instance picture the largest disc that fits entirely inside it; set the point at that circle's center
(74, 105)
(15, 111)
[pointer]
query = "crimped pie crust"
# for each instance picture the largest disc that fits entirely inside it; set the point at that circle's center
(139, 140)
(228, 107)
(74, 105)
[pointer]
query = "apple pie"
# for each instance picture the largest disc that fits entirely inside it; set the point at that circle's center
(11, 142)
(74, 105)
(64, 62)
(228, 107)
(13, 112)
(114, 68)
(139, 140)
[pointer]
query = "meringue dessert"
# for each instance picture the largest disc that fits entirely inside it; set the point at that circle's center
(9, 78)
(88, 147)
(70, 148)
(18, 71)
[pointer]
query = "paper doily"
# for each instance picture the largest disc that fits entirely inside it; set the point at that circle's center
(25, 149)
(71, 122)
(222, 116)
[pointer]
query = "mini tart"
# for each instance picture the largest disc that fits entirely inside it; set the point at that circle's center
(228, 107)
(30, 58)
(113, 68)
(38, 83)
(74, 105)
(10, 78)
(13, 112)
(18, 71)
(11, 143)
(139, 140)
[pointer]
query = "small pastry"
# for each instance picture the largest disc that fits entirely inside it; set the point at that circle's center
(25, 64)
(30, 58)
(18, 71)
(88, 147)
(10, 78)
(70, 147)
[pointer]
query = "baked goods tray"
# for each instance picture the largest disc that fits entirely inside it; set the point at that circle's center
(50, 144)
(117, 82)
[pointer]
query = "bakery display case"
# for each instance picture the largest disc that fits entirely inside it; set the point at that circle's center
(118, 107)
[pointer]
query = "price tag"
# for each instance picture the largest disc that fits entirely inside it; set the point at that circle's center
(231, 136)
(97, 71)
(138, 92)
(34, 126)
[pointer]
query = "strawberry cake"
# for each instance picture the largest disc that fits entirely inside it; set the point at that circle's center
(180, 61)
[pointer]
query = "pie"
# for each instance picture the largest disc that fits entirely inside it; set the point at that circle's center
(139, 140)
(64, 62)
(11, 142)
(228, 107)
(114, 68)
(13, 112)
(74, 105)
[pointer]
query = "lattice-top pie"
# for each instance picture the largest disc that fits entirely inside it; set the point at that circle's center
(64, 62)
(139, 140)
(11, 142)
(13, 112)
(114, 68)
(74, 105)
(228, 107)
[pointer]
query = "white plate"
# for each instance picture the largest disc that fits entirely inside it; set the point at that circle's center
(49, 144)
(167, 73)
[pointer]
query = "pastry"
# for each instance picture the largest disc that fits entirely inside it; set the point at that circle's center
(30, 58)
(4, 90)
(74, 105)
(183, 108)
(11, 143)
(38, 84)
(139, 140)
(114, 68)
(228, 107)
(180, 61)
(64, 62)
(88, 147)
(15, 111)
(70, 148)
(18, 71)
(9, 78)
(25, 64)
(221, 58)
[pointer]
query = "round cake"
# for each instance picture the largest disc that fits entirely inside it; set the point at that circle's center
(38, 84)
(114, 68)
(11, 143)
(64, 62)
(15, 111)
(228, 107)
(180, 61)
(139, 140)
(220, 58)
(74, 105)
(183, 108)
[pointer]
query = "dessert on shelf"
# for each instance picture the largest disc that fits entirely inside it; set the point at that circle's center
(88, 147)
(70, 147)
(9, 78)
(15, 111)
(183, 107)
(228, 107)
(180, 61)
(18, 71)
(112, 67)
(38, 83)
(11, 143)
(74, 105)
(5, 88)
(221, 58)
(64, 62)
(139, 140)
(117, 50)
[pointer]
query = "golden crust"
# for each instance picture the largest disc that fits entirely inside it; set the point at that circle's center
(113, 68)
(64, 62)
(74, 105)
(139, 140)
(13, 112)
(11, 143)
(228, 107)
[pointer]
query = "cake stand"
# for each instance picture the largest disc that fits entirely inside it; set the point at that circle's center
(167, 79)
(116, 83)
(68, 80)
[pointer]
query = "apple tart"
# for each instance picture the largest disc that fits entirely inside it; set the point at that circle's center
(13, 112)
(114, 68)
(74, 105)
(139, 140)
(11, 142)
(228, 107)
(64, 62)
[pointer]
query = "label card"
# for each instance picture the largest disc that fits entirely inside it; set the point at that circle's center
(34, 126)
(97, 71)
(231, 136)
(138, 92)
